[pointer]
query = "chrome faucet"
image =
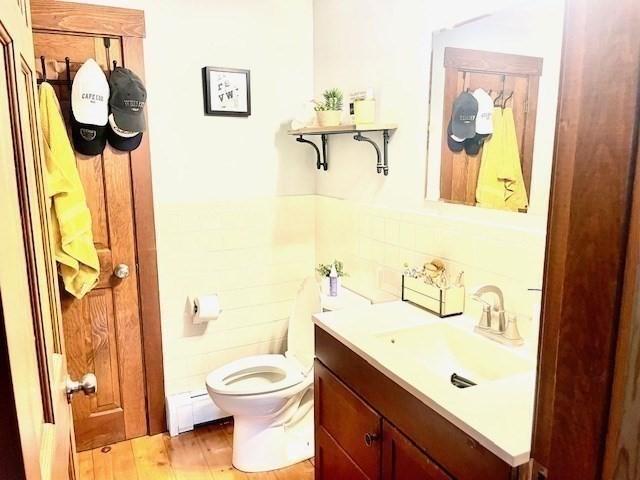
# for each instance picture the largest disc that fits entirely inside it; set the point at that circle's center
(506, 331)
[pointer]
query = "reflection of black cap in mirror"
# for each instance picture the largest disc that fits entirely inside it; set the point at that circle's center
(473, 145)
(88, 139)
(453, 144)
(127, 100)
(463, 116)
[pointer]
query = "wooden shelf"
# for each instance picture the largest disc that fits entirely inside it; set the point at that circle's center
(382, 164)
(352, 128)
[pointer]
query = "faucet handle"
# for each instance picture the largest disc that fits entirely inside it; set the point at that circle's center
(511, 332)
(485, 318)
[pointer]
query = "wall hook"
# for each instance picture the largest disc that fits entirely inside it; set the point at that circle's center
(43, 64)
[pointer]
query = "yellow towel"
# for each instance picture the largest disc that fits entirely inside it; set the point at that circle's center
(500, 181)
(70, 217)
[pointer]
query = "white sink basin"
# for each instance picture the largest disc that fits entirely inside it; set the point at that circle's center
(445, 349)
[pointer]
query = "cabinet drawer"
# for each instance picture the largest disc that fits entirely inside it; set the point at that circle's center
(402, 460)
(332, 462)
(354, 426)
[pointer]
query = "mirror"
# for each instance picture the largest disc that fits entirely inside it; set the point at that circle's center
(493, 102)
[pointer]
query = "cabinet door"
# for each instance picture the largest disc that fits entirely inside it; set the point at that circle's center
(331, 462)
(349, 421)
(402, 460)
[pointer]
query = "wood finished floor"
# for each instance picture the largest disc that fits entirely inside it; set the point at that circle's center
(203, 454)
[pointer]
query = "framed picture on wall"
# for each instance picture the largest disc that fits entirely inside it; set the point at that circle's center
(227, 91)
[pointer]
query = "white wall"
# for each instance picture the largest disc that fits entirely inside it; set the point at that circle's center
(226, 189)
(375, 223)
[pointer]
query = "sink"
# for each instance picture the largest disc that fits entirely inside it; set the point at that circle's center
(445, 349)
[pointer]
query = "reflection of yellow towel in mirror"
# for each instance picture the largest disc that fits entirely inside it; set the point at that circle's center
(500, 181)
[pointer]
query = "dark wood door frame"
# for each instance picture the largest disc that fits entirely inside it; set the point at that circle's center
(65, 17)
(587, 243)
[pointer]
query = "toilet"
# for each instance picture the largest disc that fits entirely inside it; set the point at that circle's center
(271, 396)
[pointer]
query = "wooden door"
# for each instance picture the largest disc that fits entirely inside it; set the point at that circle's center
(354, 426)
(32, 344)
(402, 460)
(102, 331)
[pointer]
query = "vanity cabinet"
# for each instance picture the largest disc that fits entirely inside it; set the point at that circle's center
(370, 428)
(353, 441)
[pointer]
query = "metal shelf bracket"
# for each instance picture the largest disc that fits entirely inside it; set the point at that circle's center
(322, 160)
(382, 164)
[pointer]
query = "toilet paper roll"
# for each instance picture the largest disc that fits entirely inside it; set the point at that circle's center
(205, 308)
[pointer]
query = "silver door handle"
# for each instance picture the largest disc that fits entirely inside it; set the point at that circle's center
(121, 270)
(87, 384)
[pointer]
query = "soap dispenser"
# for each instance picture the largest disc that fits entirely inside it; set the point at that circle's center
(333, 281)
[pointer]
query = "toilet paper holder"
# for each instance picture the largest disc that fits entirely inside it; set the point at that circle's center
(195, 308)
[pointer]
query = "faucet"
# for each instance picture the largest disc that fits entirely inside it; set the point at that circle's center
(506, 331)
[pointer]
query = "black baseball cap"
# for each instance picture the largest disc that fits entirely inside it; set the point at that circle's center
(127, 99)
(473, 145)
(121, 139)
(463, 116)
(88, 139)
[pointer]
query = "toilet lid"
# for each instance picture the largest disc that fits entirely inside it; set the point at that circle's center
(300, 343)
(255, 375)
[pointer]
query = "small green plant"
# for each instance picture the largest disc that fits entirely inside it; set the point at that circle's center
(325, 269)
(332, 100)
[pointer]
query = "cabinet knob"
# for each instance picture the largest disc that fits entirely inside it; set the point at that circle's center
(369, 438)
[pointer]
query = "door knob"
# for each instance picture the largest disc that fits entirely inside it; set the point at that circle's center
(88, 384)
(121, 270)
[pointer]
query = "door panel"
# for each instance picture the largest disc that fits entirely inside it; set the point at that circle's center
(28, 282)
(402, 460)
(102, 331)
(332, 462)
(350, 422)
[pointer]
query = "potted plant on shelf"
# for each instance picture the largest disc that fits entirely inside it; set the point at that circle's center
(325, 270)
(329, 110)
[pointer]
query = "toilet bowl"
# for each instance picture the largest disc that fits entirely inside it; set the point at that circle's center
(271, 396)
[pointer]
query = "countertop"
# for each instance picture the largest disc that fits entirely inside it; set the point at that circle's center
(498, 414)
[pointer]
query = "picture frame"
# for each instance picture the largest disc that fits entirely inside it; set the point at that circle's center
(226, 91)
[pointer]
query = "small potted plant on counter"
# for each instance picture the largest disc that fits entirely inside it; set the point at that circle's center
(329, 110)
(331, 273)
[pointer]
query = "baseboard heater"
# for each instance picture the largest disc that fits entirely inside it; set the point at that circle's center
(186, 410)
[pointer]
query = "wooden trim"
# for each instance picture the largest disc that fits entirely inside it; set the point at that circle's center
(11, 457)
(84, 18)
(133, 58)
(491, 62)
(622, 454)
(588, 231)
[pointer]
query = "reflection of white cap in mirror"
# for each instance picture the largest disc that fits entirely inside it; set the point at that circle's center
(90, 95)
(484, 118)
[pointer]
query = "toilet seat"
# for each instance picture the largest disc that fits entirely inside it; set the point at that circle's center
(255, 375)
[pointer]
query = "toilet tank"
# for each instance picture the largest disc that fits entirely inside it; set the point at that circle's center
(300, 333)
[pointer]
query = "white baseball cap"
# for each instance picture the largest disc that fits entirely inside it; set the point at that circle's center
(484, 118)
(90, 95)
